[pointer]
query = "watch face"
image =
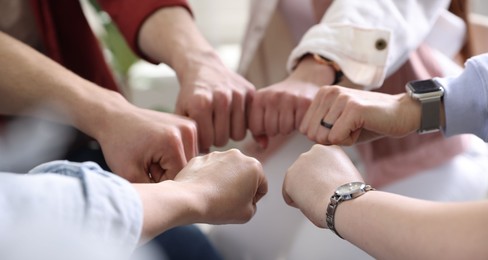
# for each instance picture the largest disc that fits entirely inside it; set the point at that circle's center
(350, 188)
(423, 86)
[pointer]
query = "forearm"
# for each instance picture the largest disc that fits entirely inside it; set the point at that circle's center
(311, 71)
(32, 84)
(368, 49)
(389, 226)
(165, 205)
(170, 36)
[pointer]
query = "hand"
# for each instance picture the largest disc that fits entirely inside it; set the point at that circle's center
(359, 115)
(211, 94)
(313, 178)
(227, 184)
(137, 142)
(279, 108)
(215, 97)
(218, 188)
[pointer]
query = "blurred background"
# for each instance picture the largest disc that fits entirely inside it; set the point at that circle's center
(223, 24)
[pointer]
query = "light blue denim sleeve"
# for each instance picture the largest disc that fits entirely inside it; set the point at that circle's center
(466, 99)
(75, 198)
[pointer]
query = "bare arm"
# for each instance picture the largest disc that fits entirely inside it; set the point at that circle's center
(32, 84)
(385, 225)
(359, 115)
(211, 94)
(403, 228)
(218, 188)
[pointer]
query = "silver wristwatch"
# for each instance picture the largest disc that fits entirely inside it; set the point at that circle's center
(345, 192)
(429, 94)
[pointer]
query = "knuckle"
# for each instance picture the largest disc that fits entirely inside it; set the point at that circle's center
(304, 102)
(200, 103)
(275, 100)
(222, 98)
(310, 136)
(220, 141)
(234, 152)
(238, 134)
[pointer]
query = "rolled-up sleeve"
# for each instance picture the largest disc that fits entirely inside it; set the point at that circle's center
(77, 198)
(370, 39)
(130, 15)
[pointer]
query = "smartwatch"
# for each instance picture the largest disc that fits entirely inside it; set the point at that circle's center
(429, 94)
(345, 192)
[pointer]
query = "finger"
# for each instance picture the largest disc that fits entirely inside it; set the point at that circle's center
(135, 173)
(335, 111)
(205, 129)
(262, 140)
(238, 117)
(300, 113)
(132, 171)
(256, 118)
(179, 110)
(190, 142)
(271, 116)
(286, 123)
(156, 173)
(346, 130)
(307, 118)
(174, 160)
(262, 188)
(170, 171)
(191, 146)
(315, 119)
(221, 115)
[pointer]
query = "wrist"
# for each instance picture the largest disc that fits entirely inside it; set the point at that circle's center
(191, 61)
(170, 36)
(310, 70)
(166, 205)
(411, 111)
(343, 195)
(93, 117)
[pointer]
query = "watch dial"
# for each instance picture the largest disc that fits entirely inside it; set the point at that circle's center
(424, 86)
(350, 188)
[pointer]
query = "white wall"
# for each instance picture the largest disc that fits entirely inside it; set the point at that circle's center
(221, 21)
(479, 6)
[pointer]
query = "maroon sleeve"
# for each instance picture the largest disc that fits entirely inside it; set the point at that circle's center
(129, 15)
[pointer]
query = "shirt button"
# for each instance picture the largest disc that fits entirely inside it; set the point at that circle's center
(380, 44)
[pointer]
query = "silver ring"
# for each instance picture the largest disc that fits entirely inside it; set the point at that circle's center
(325, 124)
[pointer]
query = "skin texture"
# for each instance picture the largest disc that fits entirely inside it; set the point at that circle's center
(210, 93)
(359, 115)
(218, 188)
(134, 141)
(385, 225)
(278, 109)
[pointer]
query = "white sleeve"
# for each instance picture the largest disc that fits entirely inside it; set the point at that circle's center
(62, 201)
(370, 39)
